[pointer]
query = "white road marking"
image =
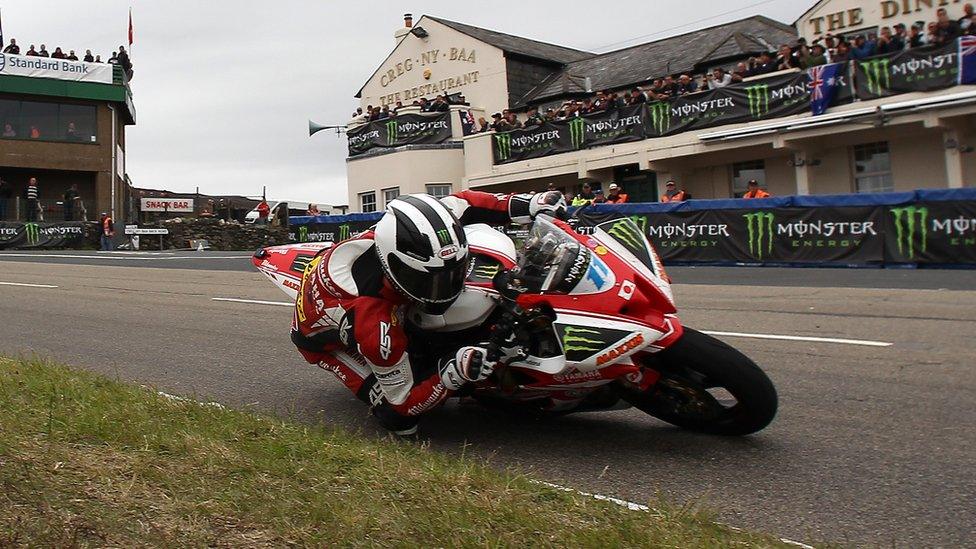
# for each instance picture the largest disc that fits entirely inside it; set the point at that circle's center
(185, 400)
(27, 285)
(255, 301)
(864, 342)
(639, 507)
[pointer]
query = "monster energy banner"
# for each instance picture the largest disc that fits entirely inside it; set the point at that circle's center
(326, 232)
(536, 141)
(918, 69)
(931, 232)
(403, 130)
(41, 235)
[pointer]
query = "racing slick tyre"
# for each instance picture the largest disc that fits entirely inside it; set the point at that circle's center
(707, 386)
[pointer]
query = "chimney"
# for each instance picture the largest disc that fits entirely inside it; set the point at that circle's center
(403, 31)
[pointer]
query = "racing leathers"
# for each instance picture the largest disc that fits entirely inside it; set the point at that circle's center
(349, 319)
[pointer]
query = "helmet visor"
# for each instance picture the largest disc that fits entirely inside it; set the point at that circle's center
(439, 285)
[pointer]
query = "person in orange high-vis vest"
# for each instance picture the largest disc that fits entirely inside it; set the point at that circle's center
(754, 191)
(672, 194)
(108, 231)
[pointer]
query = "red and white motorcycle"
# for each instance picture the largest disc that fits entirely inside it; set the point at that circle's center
(578, 323)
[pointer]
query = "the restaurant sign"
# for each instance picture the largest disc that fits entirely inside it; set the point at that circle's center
(839, 17)
(61, 69)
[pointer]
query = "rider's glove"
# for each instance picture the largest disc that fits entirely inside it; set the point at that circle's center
(469, 365)
(523, 208)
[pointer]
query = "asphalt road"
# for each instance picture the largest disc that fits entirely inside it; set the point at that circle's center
(873, 445)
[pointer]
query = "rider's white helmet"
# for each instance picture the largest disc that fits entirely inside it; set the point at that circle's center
(423, 251)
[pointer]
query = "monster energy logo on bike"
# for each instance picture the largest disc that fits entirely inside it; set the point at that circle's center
(33, 231)
(907, 219)
(577, 131)
(582, 339)
(485, 271)
(758, 97)
(660, 117)
(876, 74)
(759, 226)
(503, 145)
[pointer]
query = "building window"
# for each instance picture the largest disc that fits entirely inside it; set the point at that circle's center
(390, 194)
(367, 202)
(42, 121)
(742, 172)
(872, 168)
(439, 190)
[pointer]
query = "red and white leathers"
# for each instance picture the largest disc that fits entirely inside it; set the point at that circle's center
(350, 320)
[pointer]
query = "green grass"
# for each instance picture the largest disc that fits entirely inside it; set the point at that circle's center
(87, 461)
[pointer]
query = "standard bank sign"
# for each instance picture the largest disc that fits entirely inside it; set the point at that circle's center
(61, 69)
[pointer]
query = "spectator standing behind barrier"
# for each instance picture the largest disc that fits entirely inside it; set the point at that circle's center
(31, 52)
(13, 48)
(70, 197)
(125, 62)
(754, 190)
(43, 51)
(108, 231)
(264, 210)
(58, 54)
(6, 193)
(585, 197)
(614, 196)
(313, 210)
(88, 57)
(718, 79)
(672, 194)
(71, 56)
(31, 196)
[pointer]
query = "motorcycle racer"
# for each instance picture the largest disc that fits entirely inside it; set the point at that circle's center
(350, 310)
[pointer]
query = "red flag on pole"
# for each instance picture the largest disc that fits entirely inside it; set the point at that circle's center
(130, 27)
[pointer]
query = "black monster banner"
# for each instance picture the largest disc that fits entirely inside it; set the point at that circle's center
(327, 232)
(918, 69)
(41, 235)
(536, 141)
(402, 130)
(931, 232)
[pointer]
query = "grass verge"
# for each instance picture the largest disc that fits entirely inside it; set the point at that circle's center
(90, 462)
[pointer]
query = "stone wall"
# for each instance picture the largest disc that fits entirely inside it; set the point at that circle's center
(220, 234)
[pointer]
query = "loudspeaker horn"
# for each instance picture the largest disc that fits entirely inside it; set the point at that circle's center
(315, 127)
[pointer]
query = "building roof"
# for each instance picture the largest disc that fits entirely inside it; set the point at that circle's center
(681, 53)
(517, 44)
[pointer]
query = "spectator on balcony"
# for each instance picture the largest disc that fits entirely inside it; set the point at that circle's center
(114, 60)
(98, 58)
(916, 36)
(33, 206)
(89, 58)
(8, 130)
(888, 42)
(397, 107)
(71, 56)
(125, 62)
(513, 120)
(753, 190)
(718, 78)
(686, 85)
(741, 71)
(967, 16)
(31, 52)
(863, 47)
(533, 118)
(483, 125)
(440, 105)
(764, 65)
(947, 30)
(614, 196)
(58, 54)
(785, 60)
(672, 194)
(842, 53)
(43, 51)
(670, 87)
(424, 105)
(585, 197)
(637, 97)
(816, 57)
(385, 113)
(313, 210)
(12, 48)
(499, 124)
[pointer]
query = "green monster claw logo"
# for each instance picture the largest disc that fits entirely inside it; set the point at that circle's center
(905, 225)
(577, 130)
(303, 233)
(878, 76)
(391, 132)
(627, 233)
(660, 117)
(640, 221)
(486, 271)
(33, 231)
(343, 231)
(760, 227)
(758, 96)
(444, 237)
(574, 339)
(503, 145)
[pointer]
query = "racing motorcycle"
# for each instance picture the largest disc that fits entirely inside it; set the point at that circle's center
(577, 322)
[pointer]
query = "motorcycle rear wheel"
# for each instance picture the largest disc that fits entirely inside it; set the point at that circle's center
(698, 375)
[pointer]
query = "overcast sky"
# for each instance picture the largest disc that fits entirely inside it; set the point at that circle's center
(223, 90)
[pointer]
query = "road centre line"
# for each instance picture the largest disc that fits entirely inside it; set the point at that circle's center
(864, 342)
(640, 507)
(254, 301)
(27, 285)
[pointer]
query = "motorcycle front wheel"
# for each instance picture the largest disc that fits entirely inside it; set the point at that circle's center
(707, 386)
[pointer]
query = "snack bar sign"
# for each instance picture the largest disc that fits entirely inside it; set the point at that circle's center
(180, 205)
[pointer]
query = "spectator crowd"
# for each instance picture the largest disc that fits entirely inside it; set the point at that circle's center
(120, 57)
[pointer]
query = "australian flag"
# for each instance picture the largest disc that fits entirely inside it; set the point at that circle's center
(823, 82)
(467, 122)
(967, 60)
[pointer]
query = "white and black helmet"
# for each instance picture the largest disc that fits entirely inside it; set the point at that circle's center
(423, 250)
